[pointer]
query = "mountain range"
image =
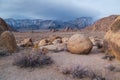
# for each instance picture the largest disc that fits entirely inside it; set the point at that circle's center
(39, 24)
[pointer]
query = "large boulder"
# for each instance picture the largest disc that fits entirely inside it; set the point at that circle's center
(8, 42)
(112, 39)
(3, 26)
(79, 44)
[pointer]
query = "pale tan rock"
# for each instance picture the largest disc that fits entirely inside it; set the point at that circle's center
(55, 48)
(27, 43)
(57, 41)
(53, 37)
(49, 47)
(65, 40)
(79, 44)
(61, 47)
(43, 42)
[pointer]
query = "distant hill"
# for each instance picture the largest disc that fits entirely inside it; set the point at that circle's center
(102, 24)
(35, 24)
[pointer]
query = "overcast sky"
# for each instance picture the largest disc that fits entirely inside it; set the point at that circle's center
(58, 9)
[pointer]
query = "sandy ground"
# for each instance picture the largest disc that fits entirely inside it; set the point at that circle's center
(62, 60)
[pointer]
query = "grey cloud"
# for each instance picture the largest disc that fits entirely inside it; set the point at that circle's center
(47, 9)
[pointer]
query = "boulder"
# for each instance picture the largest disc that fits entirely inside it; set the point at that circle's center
(61, 47)
(49, 48)
(55, 48)
(57, 41)
(53, 37)
(8, 42)
(93, 40)
(112, 39)
(96, 42)
(43, 42)
(79, 44)
(65, 40)
(27, 43)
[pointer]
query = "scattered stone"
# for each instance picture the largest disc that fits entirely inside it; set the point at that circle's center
(93, 40)
(27, 43)
(50, 48)
(57, 41)
(53, 37)
(55, 48)
(43, 42)
(65, 40)
(96, 42)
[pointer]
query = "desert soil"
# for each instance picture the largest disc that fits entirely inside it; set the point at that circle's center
(62, 60)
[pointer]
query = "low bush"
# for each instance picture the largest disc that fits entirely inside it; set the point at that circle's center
(79, 72)
(96, 76)
(32, 59)
(83, 72)
(4, 53)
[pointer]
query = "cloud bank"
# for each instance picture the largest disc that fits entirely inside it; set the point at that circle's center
(57, 9)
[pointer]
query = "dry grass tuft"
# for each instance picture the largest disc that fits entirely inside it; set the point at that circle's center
(80, 72)
(83, 72)
(96, 76)
(33, 59)
(4, 53)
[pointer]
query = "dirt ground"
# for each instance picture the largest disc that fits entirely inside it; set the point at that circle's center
(62, 60)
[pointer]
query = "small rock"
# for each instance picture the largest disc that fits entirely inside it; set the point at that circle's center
(27, 43)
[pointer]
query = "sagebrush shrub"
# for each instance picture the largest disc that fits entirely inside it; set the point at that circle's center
(4, 53)
(80, 72)
(33, 59)
(83, 72)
